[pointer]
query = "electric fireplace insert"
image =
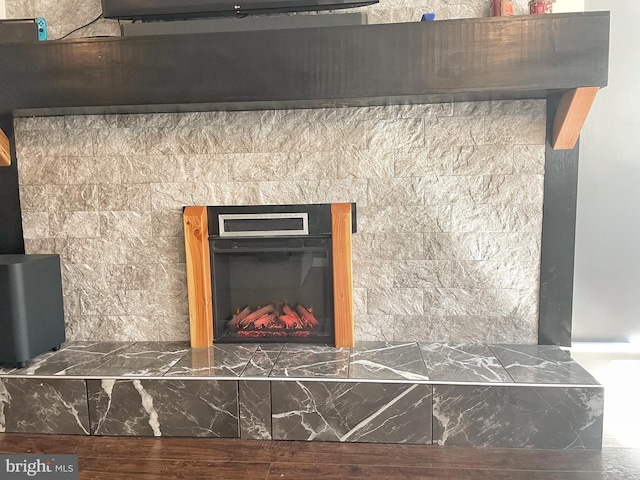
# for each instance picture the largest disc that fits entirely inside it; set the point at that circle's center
(272, 273)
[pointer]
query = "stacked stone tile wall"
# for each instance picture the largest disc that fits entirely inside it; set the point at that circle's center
(449, 200)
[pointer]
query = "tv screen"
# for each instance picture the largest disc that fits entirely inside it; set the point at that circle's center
(180, 9)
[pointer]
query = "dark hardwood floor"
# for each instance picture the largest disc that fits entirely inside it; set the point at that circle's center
(193, 458)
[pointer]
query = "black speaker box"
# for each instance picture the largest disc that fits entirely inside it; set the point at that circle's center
(31, 307)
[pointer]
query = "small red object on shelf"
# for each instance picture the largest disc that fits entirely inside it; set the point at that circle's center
(540, 6)
(501, 8)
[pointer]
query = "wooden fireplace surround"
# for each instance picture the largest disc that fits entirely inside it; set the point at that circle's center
(196, 239)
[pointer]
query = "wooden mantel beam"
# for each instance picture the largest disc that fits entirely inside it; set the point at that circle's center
(5, 150)
(571, 115)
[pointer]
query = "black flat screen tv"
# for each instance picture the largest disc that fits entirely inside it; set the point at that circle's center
(181, 9)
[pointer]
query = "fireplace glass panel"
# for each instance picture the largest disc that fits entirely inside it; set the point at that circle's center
(273, 289)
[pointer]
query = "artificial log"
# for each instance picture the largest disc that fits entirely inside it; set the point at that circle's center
(198, 276)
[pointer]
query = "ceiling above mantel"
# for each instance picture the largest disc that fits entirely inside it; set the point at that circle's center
(533, 56)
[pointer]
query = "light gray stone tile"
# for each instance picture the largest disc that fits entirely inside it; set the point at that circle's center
(453, 246)
(419, 162)
(172, 328)
(395, 301)
(72, 198)
(389, 246)
(168, 276)
(35, 225)
(365, 164)
(449, 190)
(373, 327)
(80, 277)
(397, 191)
(314, 165)
(423, 110)
(174, 196)
(156, 303)
(125, 224)
(34, 198)
(285, 192)
(102, 302)
(476, 218)
(411, 219)
(67, 170)
(533, 107)
(447, 132)
(145, 169)
(421, 274)
(374, 273)
(480, 302)
(529, 159)
(395, 134)
(167, 223)
(523, 218)
(504, 189)
(341, 191)
(123, 197)
(130, 276)
(515, 246)
(334, 136)
(122, 251)
(113, 142)
(22, 124)
(494, 274)
(483, 160)
(54, 143)
(259, 166)
(360, 301)
(117, 328)
(74, 224)
(283, 137)
(516, 129)
(312, 115)
(413, 328)
(147, 120)
(83, 122)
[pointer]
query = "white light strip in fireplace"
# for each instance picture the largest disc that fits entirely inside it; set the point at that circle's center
(224, 218)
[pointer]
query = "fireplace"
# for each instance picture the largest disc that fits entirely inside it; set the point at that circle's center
(270, 273)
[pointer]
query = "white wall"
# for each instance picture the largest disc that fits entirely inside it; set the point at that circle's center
(607, 281)
(3, 13)
(562, 6)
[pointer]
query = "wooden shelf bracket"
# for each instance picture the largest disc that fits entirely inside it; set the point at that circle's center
(5, 150)
(571, 115)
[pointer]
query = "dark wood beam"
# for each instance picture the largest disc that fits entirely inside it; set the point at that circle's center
(529, 56)
(558, 239)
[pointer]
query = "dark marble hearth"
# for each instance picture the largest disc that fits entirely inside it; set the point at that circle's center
(443, 394)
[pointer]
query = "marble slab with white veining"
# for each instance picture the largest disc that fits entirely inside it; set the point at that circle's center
(163, 407)
(262, 362)
(143, 359)
(518, 416)
(228, 360)
(254, 400)
(56, 406)
(463, 363)
(387, 361)
(76, 358)
(311, 362)
(351, 412)
(541, 364)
